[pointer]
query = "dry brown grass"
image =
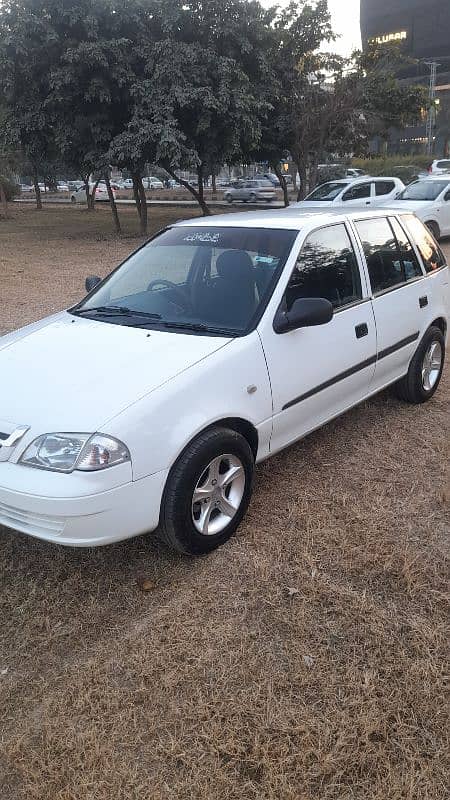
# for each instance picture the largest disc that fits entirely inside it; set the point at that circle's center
(303, 661)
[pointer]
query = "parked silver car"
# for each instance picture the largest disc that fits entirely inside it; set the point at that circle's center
(251, 191)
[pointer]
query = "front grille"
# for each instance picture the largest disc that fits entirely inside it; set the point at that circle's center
(29, 522)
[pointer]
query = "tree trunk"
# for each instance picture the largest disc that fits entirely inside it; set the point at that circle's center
(200, 199)
(136, 180)
(213, 180)
(3, 200)
(143, 215)
(112, 203)
(37, 192)
(90, 195)
(313, 174)
(276, 168)
(302, 174)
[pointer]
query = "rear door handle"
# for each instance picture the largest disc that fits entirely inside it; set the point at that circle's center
(423, 301)
(361, 330)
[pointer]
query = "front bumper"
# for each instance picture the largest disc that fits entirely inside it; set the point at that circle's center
(78, 520)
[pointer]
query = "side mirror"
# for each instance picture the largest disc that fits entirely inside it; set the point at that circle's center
(91, 282)
(305, 313)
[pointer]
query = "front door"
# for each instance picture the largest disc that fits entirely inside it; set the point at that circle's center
(318, 372)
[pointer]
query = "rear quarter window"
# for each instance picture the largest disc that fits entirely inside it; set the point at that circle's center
(432, 255)
(384, 187)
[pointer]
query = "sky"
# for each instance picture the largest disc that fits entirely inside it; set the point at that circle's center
(345, 20)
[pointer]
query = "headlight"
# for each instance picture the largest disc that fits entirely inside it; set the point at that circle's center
(65, 452)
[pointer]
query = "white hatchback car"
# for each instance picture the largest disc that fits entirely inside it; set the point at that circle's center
(430, 200)
(101, 194)
(347, 192)
(215, 345)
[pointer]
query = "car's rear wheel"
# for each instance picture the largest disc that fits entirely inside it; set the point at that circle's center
(207, 492)
(228, 198)
(73, 200)
(252, 197)
(425, 370)
(434, 228)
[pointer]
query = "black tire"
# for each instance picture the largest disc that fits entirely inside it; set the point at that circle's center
(228, 198)
(411, 388)
(72, 200)
(176, 525)
(434, 228)
(252, 198)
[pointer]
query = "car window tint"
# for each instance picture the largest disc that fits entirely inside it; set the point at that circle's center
(443, 165)
(384, 187)
(327, 191)
(357, 192)
(432, 256)
(410, 261)
(326, 267)
(447, 196)
(382, 254)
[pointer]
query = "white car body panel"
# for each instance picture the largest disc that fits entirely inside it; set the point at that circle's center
(156, 390)
(437, 210)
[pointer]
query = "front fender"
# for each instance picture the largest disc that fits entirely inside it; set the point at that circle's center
(159, 426)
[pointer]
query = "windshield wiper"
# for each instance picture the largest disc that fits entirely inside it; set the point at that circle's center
(117, 310)
(197, 326)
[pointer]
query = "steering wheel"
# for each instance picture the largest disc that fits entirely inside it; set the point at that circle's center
(184, 300)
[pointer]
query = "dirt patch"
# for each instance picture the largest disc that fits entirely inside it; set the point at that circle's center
(303, 661)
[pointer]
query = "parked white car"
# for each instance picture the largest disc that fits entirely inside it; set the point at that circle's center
(217, 344)
(101, 193)
(152, 183)
(430, 201)
(349, 192)
(439, 166)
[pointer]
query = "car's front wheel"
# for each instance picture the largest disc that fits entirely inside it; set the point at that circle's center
(207, 492)
(425, 370)
(228, 198)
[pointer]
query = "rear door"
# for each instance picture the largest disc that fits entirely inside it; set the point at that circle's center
(397, 285)
(384, 190)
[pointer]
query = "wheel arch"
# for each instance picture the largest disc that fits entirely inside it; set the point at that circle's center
(237, 424)
(440, 323)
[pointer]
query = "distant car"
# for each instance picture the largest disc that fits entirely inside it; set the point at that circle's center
(251, 192)
(152, 183)
(439, 166)
(101, 194)
(62, 186)
(353, 192)
(75, 185)
(352, 172)
(430, 201)
(43, 187)
(26, 187)
(126, 183)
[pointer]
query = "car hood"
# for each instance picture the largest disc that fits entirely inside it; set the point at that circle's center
(72, 374)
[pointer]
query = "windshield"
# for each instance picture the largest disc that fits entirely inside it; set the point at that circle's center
(424, 190)
(208, 279)
(328, 191)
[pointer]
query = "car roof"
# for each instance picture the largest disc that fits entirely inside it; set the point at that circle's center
(433, 178)
(292, 219)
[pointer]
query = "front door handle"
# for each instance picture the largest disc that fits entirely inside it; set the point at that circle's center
(361, 330)
(423, 301)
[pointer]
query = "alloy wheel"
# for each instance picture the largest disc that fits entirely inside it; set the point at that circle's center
(218, 494)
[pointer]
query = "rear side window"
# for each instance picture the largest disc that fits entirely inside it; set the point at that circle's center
(432, 256)
(443, 165)
(357, 192)
(411, 266)
(326, 267)
(382, 253)
(384, 187)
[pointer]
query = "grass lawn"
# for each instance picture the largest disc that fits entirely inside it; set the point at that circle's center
(305, 660)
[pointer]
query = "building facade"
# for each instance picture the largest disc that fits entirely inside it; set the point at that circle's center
(422, 28)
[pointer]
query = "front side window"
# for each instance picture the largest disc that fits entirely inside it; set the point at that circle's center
(432, 256)
(326, 267)
(383, 257)
(193, 278)
(359, 192)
